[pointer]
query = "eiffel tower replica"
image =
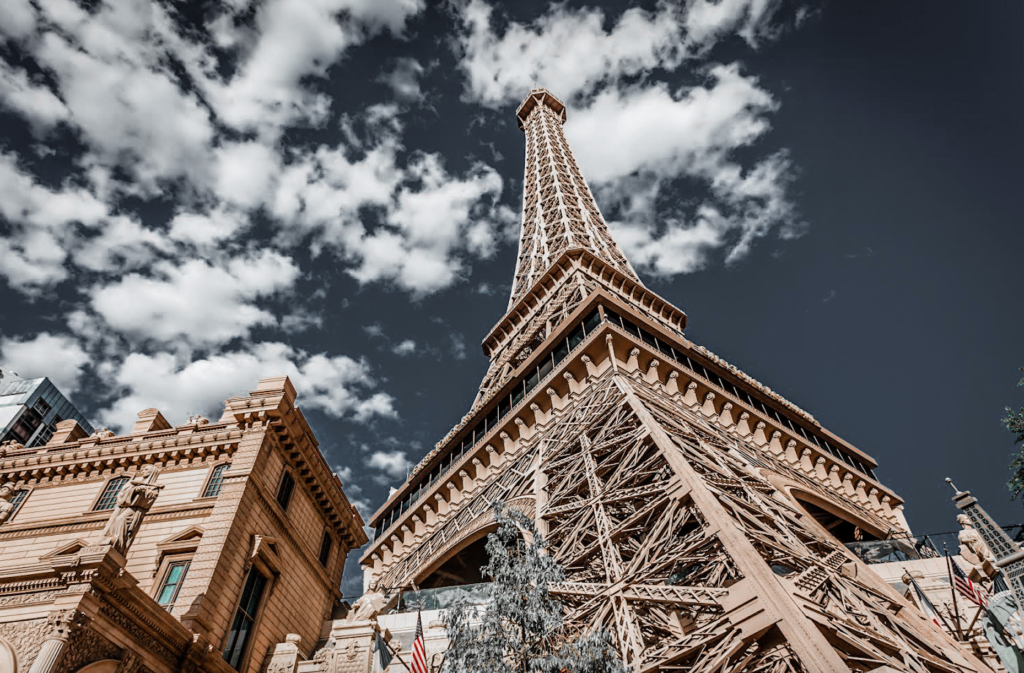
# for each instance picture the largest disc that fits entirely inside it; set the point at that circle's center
(700, 517)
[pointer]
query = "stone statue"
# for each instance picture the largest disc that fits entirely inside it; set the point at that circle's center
(103, 433)
(368, 606)
(972, 545)
(133, 503)
(5, 505)
(10, 446)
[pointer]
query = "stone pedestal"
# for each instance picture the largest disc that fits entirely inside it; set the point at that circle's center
(286, 655)
(349, 648)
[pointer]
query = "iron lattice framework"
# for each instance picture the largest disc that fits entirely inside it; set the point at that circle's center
(559, 212)
(670, 494)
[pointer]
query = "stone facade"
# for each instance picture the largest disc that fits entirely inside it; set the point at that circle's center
(243, 504)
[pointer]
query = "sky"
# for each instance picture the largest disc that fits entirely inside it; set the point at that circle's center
(197, 195)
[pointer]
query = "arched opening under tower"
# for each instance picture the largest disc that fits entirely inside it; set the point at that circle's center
(462, 567)
(841, 525)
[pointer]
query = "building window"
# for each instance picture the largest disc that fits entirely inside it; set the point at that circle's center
(42, 406)
(245, 618)
(284, 491)
(216, 481)
(46, 433)
(170, 585)
(325, 549)
(17, 499)
(109, 496)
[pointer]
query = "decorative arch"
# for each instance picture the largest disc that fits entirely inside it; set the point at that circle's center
(105, 666)
(8, 658)
(837, 521)
(475, 530)
(815, 503)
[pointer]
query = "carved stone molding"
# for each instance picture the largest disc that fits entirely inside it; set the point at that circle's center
(85, 646)
(26, 638)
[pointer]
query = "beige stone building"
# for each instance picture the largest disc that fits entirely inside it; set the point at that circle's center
(195, 547)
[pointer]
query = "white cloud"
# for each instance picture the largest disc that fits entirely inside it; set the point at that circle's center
(41, 226)
(122, 244)
(127, 105)
(458, 346)
(668, 133)
(395, 464)
(296, 41)
(709, 20)
(566, 50)
(406, 347)
(207, 229)
(337, 385)
(429, 222)
(300, 320)
(56, 356)
(404, 79)
(245, 173)
(36, 103)
(635, 138)
(635, 143)
(570, 52)
(195, 303)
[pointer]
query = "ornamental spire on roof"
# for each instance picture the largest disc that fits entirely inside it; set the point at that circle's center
(559, 212)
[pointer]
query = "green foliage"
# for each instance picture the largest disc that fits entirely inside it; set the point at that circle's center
(522, 627)
(1014, 422)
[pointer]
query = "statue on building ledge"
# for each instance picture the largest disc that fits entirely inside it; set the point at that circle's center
(974, 550)
(133, 503)
(6, 508)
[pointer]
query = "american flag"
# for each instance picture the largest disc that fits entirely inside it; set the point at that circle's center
(419, 652)
(966, 587)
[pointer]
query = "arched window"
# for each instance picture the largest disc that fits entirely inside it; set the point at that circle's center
(109, 496)
(216, 481)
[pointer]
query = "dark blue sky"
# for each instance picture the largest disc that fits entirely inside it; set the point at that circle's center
(830, 194)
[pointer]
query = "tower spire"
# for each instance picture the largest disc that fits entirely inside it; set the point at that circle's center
(559, 211)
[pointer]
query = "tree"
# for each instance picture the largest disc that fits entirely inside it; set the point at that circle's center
(1014, 422)
(522, 628)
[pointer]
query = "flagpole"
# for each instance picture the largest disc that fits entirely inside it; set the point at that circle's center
(952, 590)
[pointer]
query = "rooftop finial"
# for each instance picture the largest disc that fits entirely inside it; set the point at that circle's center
(950, 482)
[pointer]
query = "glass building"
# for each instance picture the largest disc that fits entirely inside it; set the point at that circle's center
(30, 410)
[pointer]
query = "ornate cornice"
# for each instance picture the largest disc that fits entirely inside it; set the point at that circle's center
(74, 462)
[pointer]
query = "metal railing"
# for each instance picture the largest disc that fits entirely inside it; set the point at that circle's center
(444, 597)
(912, 548)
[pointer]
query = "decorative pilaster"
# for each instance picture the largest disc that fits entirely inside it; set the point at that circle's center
(61, 625)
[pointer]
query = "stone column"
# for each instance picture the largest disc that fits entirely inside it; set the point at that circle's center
(60, 626)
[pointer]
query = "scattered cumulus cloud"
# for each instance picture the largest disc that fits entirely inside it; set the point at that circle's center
(395, 463)
(337, 385)
(58, 356)
(638, 139)
(404, 80)
(458, 346)
(197, 303)
(406, 347)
